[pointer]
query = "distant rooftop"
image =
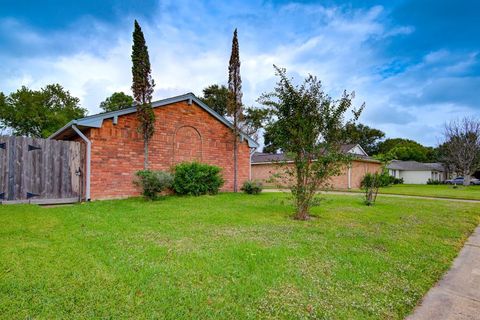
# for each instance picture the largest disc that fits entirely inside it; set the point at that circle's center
(415, 166)
(355, 149)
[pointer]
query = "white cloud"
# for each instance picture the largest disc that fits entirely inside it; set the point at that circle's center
(189, 47)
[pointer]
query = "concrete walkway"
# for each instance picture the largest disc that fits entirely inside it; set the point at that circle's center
(457, 295)
(344, 193)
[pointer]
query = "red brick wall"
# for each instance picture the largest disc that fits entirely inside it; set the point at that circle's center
(359, 168)
(183, 132)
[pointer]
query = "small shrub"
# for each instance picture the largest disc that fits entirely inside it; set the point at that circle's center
(252, 187)
(371, 182)
(397, 180)
(433, 182)
(153, 182)
(387, 180)
(193, 178)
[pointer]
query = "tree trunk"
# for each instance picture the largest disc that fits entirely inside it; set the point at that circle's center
(466, 179)
(302, 211)
(235, 153)
(235, 164)
(145, 151)
(302, 206)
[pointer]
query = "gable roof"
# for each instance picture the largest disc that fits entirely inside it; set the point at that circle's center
(259, 157)
(415, 166)
(96, 121)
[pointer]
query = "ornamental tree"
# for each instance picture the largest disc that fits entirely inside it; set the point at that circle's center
(234, 103)
(309, 128)
(142, 87)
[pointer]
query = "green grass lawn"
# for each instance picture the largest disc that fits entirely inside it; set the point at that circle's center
(230, 256)
(443, 191)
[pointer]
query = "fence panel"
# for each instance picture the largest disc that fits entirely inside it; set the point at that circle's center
(39, 170)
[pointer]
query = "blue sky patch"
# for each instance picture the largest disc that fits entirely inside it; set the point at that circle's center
(415, 64)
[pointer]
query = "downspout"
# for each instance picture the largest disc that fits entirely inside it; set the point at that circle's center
(89, 156)
(349, 176)
(252, 151)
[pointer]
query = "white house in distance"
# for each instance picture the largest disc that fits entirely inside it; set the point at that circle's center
(414, 172)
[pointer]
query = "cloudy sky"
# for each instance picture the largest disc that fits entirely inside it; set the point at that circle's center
(415, 63)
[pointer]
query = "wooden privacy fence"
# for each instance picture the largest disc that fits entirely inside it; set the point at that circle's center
(36, 170)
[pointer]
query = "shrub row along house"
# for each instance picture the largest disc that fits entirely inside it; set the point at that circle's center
(268, 168)
(185, 130)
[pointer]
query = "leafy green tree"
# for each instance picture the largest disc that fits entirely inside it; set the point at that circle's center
(365, 136)
(269, 143)
(117, 101)
(309, 127)
(234, 102)
(216, 97)
(39, 113)
(409, 152)
(405, 149)
(254, 119)
(142, 88)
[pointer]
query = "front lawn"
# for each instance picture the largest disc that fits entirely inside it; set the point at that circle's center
(442, 191)
(230, 256)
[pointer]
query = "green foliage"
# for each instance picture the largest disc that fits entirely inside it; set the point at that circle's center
(153, 182)
(408, 152)
(396, 180)
(405, 149)
(39, 113)
(193, 178)
(117, 101)
(253, 120)
(252, 187)
(216, 97)
(142, 88)
(308, 126)
(434, 182)
(365, 136)
(234, 102)
(371, 182)
(250, 120)
(269, 143)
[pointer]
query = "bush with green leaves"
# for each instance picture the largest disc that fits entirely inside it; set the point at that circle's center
(371, 182)
(397, 180)
(194, 178)
(434, 182)
(153, 182)
(252, 187)
(386, 179)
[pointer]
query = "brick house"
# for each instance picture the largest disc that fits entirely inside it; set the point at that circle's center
(185, 130)
(267, 165)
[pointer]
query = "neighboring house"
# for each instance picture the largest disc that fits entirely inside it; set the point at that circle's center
(185, 130)
(413, 172)
(267, 166)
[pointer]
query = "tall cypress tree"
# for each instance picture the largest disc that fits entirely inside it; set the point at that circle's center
(234, 104)
(142, 87)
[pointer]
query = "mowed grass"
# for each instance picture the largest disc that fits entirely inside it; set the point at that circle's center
(442, 191)
(230, 256)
